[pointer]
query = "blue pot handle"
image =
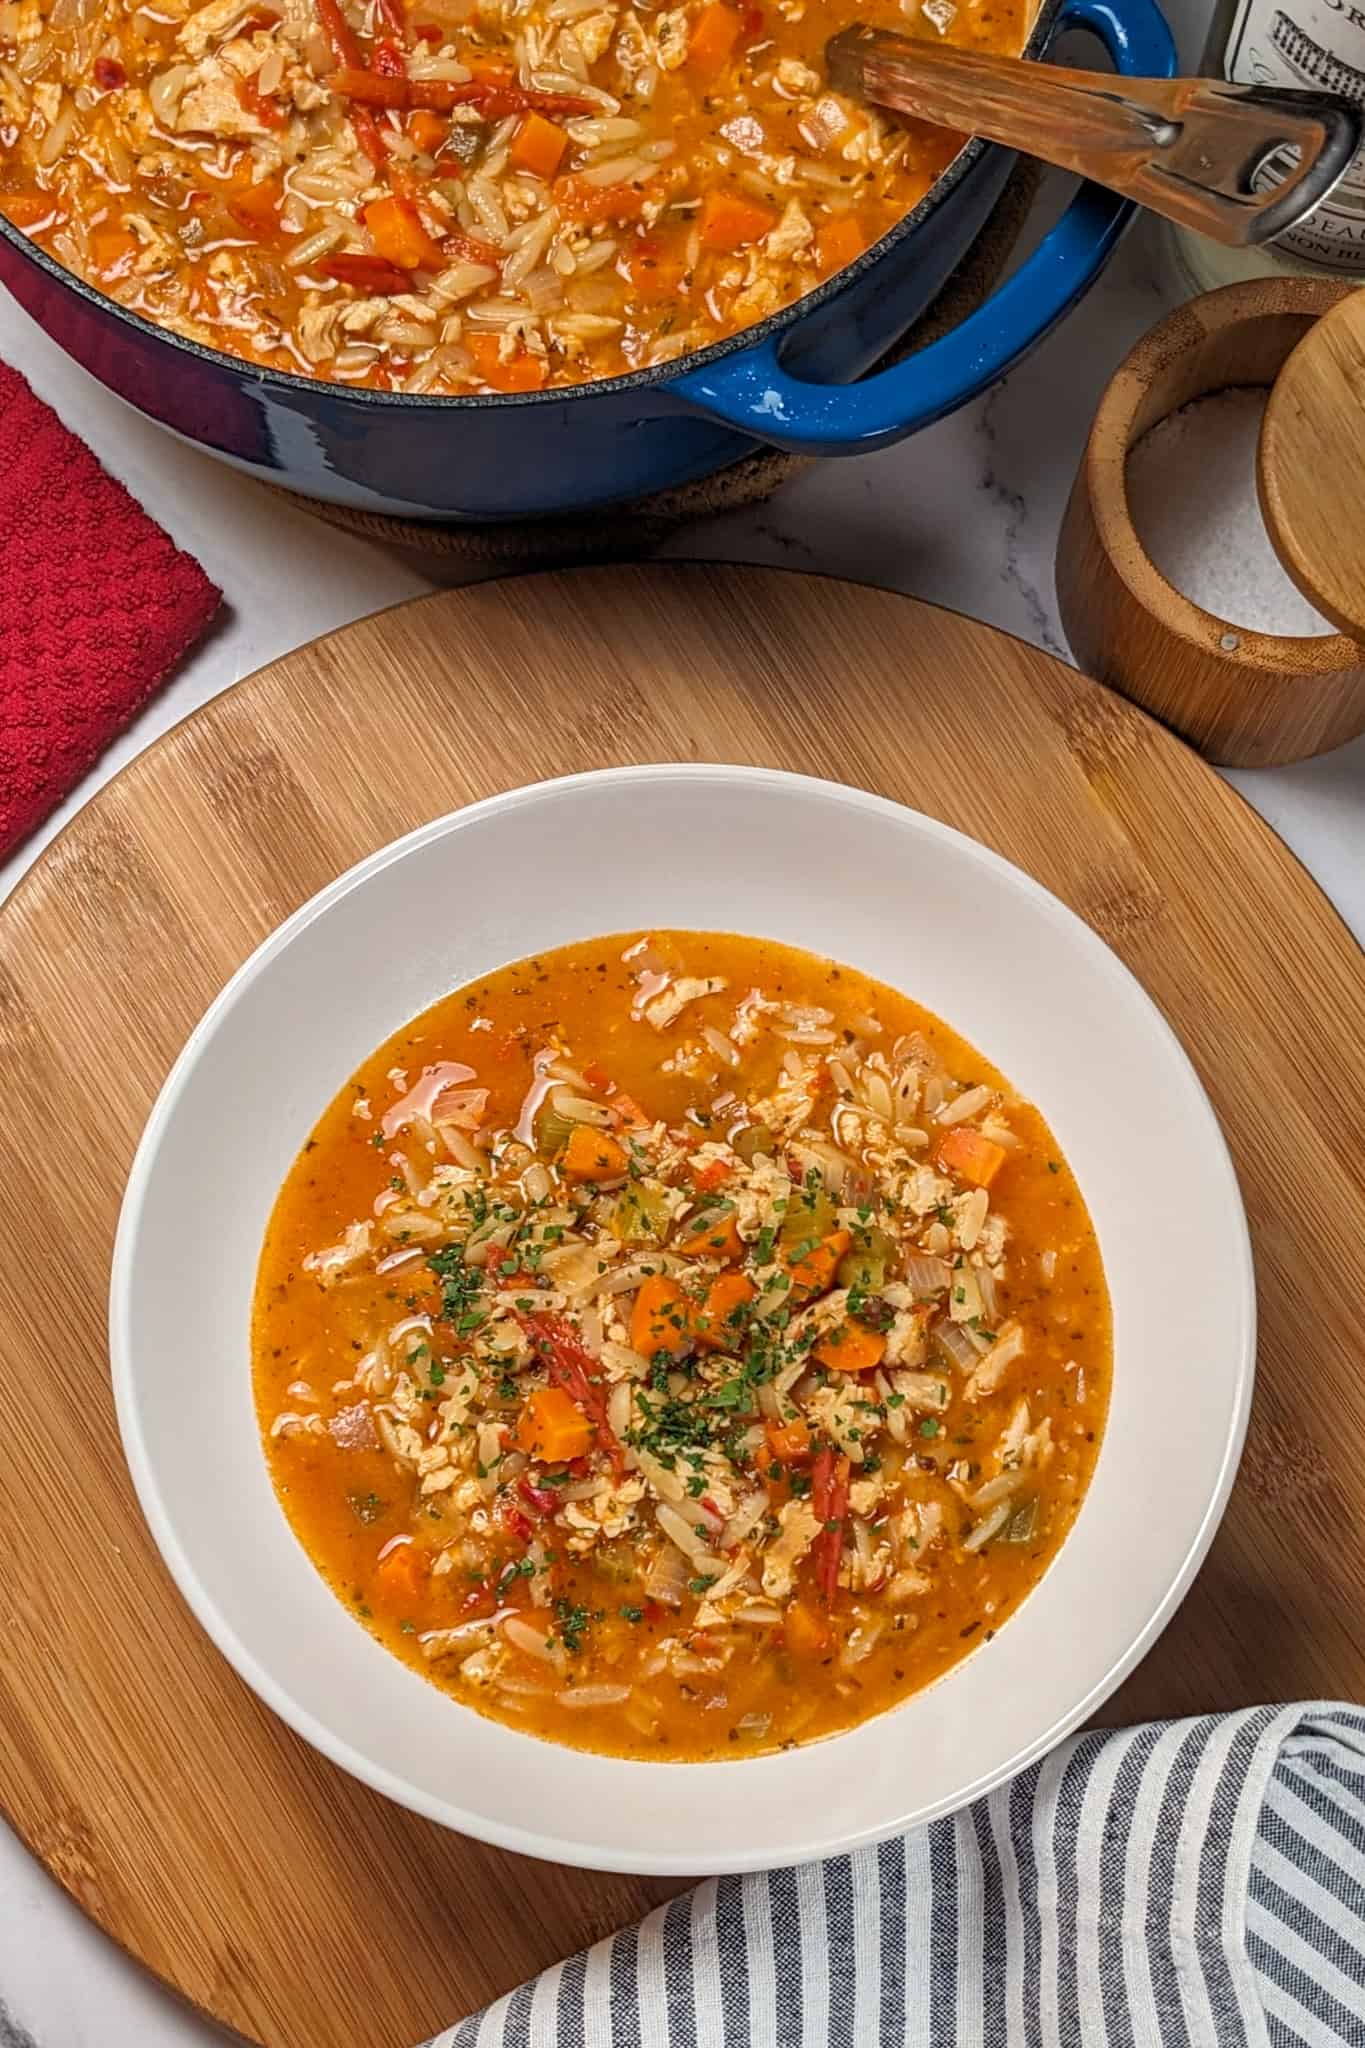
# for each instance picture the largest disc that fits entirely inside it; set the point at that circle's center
(752, 391)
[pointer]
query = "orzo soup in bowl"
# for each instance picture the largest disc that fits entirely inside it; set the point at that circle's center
(681, 1319)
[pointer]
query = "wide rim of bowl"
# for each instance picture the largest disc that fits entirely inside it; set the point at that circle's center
(260, 374)
(480, 1826)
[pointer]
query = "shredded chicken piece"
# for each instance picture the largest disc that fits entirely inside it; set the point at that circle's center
(797, 78)
(797, 1531)
(672, 34)
(356, 1243)
(209, 104)
(666, 1007)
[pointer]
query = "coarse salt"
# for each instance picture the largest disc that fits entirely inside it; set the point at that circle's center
(1192, 499)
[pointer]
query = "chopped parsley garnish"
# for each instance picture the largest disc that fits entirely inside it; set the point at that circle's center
(573, 1624)
(460, 1284)
(930, 1426)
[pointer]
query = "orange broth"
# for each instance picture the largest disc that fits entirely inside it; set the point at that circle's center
(412, 1568)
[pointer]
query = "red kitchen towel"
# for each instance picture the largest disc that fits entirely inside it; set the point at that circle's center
(97, 605)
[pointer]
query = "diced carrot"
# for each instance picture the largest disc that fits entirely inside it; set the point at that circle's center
(523, 372)
(789, 1442)
(27, 208)
(400, 1572)
(729, 221)
(711, 1176)
(587, 204)
(551, 1427)
(970, 1155)
(427, 131)
(399, 236)
(813, 1271)
(714, 1326)
(837, 244)
(571, 1366)
(712, 1235)
(660, 1319)
(257, 206)
(851, 1348)
(593, 1155)
(538, 145)
(111, 247)
(805, 1630)
(714, 37)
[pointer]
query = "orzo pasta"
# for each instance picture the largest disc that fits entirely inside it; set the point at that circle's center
(456, 195)
(678, 1345)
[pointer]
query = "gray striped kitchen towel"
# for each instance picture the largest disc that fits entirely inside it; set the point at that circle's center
(1189, 1884)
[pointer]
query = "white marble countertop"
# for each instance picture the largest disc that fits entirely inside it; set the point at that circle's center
(965, 514)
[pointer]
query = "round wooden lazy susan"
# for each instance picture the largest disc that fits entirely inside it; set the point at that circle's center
(296, 1907)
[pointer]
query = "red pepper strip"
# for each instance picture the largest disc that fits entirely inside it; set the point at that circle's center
(253, 101)
(388, 60)
(370, 88)
(626, 1113)
(829, 1499)
(345, 42)
(395, 14)
(367, 135)
(518, 1524)
(542, 1500)
(493, 98)
(109, 74)
(368, 274)
(572, 1366)
(464, 248)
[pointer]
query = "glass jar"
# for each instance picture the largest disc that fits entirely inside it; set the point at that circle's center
(1318, 44)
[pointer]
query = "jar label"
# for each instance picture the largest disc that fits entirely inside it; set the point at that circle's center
(1320, 45)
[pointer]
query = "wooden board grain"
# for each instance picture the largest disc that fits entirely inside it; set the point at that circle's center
(1310, 466)
(270, 1890)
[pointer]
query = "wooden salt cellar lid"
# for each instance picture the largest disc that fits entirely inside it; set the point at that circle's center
(1311, 465)
(1246, 699)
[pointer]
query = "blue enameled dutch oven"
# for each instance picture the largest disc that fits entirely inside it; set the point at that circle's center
(527, 455)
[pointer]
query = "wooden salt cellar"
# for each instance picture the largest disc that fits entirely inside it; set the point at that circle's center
(1245, 699)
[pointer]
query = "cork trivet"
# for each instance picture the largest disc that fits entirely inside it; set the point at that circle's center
(632, 528)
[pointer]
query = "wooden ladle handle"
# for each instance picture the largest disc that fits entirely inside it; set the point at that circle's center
(1241, 163)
